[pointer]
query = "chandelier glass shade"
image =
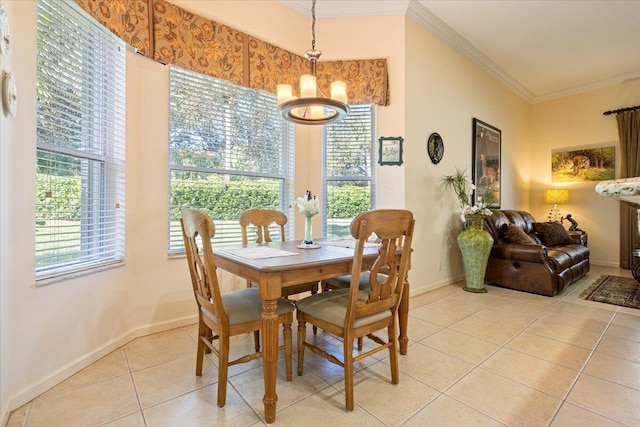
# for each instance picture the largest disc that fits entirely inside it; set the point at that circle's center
(313, 108)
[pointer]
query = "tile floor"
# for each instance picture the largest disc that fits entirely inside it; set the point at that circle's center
(500, 358)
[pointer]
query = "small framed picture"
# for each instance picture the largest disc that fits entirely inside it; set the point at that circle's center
(390, 150)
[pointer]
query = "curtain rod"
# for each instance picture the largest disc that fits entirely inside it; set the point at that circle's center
(621, 110)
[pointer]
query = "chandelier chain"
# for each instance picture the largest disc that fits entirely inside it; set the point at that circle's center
(313, 25)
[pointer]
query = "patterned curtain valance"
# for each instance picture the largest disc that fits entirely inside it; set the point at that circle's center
(128, 19)
(366, 79)
(172, 35)
(198, 44)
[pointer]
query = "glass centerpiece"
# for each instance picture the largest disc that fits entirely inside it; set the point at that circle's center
(309, 206)
(474, 241)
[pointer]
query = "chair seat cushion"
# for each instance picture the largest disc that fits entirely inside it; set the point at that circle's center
(332, 307)
(345, 281)
(245, 305)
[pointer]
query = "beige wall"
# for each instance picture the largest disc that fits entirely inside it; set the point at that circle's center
(444, 92)
(49, 332)
(575, 122)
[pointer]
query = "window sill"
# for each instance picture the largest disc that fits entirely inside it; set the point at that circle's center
(55, 278)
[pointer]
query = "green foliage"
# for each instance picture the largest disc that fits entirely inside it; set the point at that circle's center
(57, 197)
(348, 200)
(223, 199)
(460, 184)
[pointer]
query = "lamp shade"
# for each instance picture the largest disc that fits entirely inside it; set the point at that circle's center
(556, 195)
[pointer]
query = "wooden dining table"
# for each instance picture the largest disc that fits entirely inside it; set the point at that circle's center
(276, 265)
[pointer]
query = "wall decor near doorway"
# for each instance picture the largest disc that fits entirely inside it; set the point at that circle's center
(390, 152)
(486, 164)
(583, 164)
(435, 148)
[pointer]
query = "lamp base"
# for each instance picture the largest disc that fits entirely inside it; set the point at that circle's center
(554, 215)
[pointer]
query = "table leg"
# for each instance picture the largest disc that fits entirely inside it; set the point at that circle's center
(270, 357)
(403, 318)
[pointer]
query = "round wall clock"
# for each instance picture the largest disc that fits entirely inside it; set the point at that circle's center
(435, 148)
(9, 93)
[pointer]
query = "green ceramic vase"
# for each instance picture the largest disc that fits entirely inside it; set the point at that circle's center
(475, 244)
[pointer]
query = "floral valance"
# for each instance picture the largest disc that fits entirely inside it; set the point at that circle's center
(172, 35)
(128, 19)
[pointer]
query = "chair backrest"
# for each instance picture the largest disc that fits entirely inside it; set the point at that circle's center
(394, 228)
(262, 219)
(197, 231)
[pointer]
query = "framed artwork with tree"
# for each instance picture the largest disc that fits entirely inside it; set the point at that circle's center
(584, 164)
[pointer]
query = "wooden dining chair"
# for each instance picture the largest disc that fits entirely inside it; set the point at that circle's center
(221, 316)
(353, 313)
(261, 219)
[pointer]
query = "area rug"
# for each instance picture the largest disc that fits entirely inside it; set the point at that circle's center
(623, 291)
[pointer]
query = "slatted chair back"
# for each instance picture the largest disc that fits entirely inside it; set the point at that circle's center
(197, 231)
(394, 229)
(261, 219)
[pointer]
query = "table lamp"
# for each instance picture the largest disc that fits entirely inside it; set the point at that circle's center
(555, 196)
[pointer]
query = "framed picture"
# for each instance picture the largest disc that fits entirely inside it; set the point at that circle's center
(584, 164)
(486, 164)
(390, 150)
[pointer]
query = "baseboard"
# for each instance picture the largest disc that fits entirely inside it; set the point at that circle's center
(35, 389)
(415, 290)
(605, 263)
(4, 414)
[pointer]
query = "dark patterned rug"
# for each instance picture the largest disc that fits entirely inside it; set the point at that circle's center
(623, 291)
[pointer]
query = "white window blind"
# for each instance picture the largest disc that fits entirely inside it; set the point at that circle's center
(348, 169)
(80, 142)
(229, 150)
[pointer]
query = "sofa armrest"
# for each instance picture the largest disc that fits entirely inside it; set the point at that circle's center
(579, 237)
(525, 253)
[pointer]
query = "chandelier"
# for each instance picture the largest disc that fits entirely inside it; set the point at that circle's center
(311, 109)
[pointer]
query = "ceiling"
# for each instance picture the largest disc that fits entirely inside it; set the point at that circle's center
(542, 49)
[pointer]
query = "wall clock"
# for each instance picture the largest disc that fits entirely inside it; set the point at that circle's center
(435, 148)
(4, 31)
(9, 94)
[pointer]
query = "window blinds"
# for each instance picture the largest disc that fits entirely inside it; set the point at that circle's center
(80, 142)
(229, 150)
(348, 169)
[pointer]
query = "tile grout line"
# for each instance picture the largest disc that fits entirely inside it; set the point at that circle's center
(581, 371)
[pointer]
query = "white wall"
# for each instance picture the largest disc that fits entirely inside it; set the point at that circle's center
(575, 122)
(444, 92)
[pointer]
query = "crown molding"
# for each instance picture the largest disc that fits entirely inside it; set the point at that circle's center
(588, 87)
(435, 25)
(416, 10)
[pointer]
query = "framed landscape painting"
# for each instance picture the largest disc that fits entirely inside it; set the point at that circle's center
(486, 163)
(587, 164)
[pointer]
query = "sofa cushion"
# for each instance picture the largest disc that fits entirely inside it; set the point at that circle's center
(515, 234)
(552, 233)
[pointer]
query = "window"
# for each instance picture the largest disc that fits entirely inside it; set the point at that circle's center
(348, 169)
(229, 150)
(80, 142)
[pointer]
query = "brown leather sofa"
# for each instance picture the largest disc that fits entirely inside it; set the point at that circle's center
(532, 267)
